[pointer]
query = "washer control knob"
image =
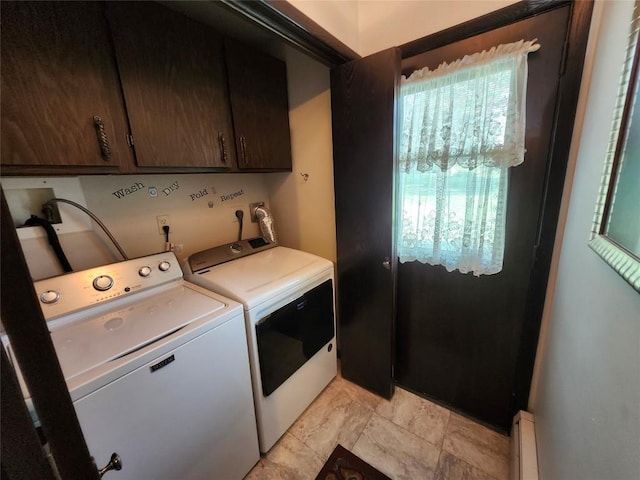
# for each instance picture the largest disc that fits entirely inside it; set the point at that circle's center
(102, 283)
(236, 247)
(144, 271)
(50, 296)
(164, 266)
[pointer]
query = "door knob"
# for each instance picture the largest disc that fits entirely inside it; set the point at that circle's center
(114, 464)
(386, 263)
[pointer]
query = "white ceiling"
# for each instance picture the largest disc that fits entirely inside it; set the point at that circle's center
(369, 26)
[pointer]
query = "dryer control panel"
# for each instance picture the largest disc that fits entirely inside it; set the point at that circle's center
(227, 252)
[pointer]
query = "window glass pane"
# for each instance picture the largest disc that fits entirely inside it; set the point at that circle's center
(454, 218)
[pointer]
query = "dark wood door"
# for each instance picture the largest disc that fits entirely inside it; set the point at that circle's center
(459, 336)
(22, 454)
(174, 83)
(363, 106)
(32, 349)
(258, 85)
(58, 73)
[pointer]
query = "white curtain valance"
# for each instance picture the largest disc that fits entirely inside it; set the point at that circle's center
(470, 112)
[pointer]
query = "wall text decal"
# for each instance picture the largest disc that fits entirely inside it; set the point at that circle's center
(123, 192)
(199, 194)
(171, 188)
(231, 196)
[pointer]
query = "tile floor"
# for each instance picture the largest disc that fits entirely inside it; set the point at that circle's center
(407, 438)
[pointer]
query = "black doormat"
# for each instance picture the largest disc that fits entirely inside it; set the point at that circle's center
(344, 465)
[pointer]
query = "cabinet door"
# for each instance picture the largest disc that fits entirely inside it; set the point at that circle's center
(258, 85)
(174, 83)
(58, 73)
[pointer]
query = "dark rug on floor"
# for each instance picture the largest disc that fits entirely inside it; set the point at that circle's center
(344, 465)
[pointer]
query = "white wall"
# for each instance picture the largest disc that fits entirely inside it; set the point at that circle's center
(586, 394)
(200, 209)
(338, 17)
(302, 202)
(370, 26)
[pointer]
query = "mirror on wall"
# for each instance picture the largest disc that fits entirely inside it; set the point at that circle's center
(616, 231)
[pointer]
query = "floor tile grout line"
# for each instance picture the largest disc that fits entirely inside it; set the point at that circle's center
(422, 440)
(439, 446)
(479, 468)
(356, 398)
(365, 427)
(351, 400)
(435, 472)
(491, 476)
(446, 429)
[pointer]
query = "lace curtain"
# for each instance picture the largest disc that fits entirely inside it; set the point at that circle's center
(463, 125)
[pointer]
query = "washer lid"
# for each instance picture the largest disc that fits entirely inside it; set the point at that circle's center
(88, 339)
(256, 278)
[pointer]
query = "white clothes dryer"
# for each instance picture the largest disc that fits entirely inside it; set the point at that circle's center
(288, 299)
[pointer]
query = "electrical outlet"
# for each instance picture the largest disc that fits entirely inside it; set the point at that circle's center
(162, 221)
(252, 210)
(232, 212)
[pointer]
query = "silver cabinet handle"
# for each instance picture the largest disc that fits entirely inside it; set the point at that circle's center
(386, 263)
(103, 142)
(223, 148)
(115, 463)
(243, 148)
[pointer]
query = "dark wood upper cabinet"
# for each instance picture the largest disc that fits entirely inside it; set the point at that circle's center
(82, 81)
(174, 82)
(258, 87)
(58, 73)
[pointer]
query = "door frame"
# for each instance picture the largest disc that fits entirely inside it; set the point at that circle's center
(558, 156)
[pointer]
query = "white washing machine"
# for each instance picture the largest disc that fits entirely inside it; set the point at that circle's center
(157, 369)
(288, 299)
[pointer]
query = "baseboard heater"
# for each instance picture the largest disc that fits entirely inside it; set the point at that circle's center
(524, 457)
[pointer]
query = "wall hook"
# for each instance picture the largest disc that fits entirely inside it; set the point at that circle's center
(305, 176)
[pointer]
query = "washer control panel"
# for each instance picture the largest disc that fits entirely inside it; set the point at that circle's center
(77, 290)
(102, 283)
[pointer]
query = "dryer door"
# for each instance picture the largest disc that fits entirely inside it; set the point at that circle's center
(291, 335)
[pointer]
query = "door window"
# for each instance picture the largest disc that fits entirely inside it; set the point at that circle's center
(463, 126)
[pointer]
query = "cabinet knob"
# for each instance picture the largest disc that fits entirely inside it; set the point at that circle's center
(103, 142)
